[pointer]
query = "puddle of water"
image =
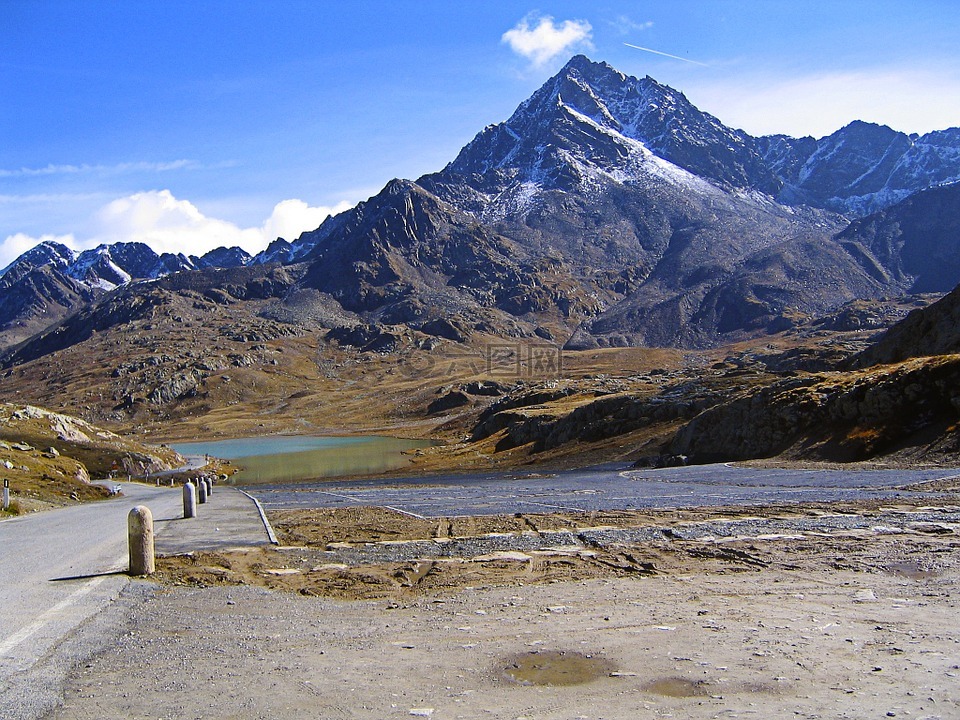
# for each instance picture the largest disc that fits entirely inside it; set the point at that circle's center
(911, 570)
(677, 687)
(555, 667)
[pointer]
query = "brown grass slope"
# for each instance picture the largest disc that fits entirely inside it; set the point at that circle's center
(49, 458)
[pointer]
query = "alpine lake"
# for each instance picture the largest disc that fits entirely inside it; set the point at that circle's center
(296, 458)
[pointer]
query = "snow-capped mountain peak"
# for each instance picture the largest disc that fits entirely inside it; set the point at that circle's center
(587, 114)
(44, 253)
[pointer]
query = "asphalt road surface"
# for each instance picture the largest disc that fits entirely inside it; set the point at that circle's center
(57, 570)
(596, 489)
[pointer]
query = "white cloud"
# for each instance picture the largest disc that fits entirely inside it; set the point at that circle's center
(624, 25)
(910, 100)
(118, 169)
(167, 224)
(291, 217)
(544, 42)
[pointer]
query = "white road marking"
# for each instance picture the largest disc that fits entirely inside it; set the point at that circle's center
(555, 507)
(340, 495)
(405, 512)
(360, 501)
(30, 630)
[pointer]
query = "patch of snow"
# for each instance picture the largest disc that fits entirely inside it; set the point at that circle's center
(643, 163)
(124, 276)
(514, 200)
(823, 154)
(103, 284)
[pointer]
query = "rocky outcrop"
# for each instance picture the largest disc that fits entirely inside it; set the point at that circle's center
(365, 338)
(446, 328)
(843, 417)
(595, 420)
(498, 416)
(74, 447)
(448, 401)
(181, 385)
(933, 330)
(548, 417)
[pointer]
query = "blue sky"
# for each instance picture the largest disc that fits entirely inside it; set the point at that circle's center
(194, 124)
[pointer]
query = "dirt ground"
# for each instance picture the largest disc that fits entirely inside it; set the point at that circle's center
(361, 553)
(835, 624)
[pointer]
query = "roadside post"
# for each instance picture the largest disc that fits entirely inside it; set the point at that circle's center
(6, 494)
(189, 501)
(140, 541)
(201, 491)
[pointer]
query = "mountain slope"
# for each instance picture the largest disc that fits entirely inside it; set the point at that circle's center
(32, 299)
(917, 240)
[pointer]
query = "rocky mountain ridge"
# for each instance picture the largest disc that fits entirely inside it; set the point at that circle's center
(51, 281)
(859, 169)
(110, 265)
(607, 211)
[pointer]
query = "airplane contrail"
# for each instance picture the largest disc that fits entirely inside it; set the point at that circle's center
(657, 52)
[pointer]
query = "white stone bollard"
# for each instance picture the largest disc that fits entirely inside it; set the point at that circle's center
(189, 501)
(140, 541)
(201, 491)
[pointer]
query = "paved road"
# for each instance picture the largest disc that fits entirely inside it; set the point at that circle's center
(59, 568)
(596, 489)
